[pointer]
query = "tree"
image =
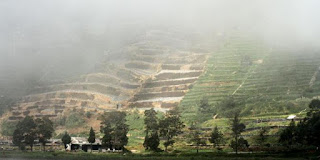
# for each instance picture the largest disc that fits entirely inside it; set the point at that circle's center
(92, 137)
(196, 138)
(216, 137)
(27, 129)
(107, 138)
(66, 139)
(261, 138)
(306, 132)
(170, 127)
(114, 127)
(44, 130)
(314, 107)
(88, 114)
(18, 138)
(242, 143)
(287, 135)
(237, 129)
(227, 107)
(314, 104)
(151, 140)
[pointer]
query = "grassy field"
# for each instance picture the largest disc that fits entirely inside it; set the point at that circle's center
(150, 156)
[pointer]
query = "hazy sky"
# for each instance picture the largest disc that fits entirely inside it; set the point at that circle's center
(71, 35)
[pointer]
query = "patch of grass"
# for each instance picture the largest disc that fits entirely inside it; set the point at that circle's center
(191, 155)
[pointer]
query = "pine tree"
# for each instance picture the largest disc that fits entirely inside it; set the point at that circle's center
(237, 129)
(92, 137)
(216, 137)
(66, 139)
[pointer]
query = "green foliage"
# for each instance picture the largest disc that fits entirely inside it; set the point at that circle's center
(44, 130)
(306, 132)
(314, 106)
(92, 136)
(196, 138)
(228, 107)
(287, 135)
(152, 140)
(60, 121)
(66, 139)
(5, 104)
(237, 128)
(261, 138)
(170, 127)
(8, 127)
(216, 137)
(88, 114)
(17, 138)
(260, 82)
(107, 138)
(240, 144)
(115, 129)
(74, 120)
(205, 110)
(25, 131)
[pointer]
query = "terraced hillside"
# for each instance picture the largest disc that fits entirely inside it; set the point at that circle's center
(262, 80)
(156, 71)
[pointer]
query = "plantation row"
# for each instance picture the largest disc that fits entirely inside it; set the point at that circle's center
(256, 76)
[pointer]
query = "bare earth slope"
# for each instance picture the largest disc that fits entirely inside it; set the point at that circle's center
(157, 72)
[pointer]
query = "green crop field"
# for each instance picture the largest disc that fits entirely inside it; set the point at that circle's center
(266, 80)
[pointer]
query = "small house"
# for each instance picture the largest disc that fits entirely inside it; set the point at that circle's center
(82, 143)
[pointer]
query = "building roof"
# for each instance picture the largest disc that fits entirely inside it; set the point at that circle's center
(83, 140)
(291, 116)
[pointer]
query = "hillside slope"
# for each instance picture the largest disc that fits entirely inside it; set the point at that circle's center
(260, 80)
(155, 71)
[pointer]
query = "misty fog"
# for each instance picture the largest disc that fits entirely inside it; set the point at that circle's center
(44, 40)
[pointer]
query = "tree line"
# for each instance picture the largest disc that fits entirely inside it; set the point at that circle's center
(304, 134)
(28, 130)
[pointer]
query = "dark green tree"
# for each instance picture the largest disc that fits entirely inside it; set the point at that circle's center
(114, 126)
(66, 139)
(44, 130)
(170, 126)
(17, 138)
(306, 132)
(27, 128)
(107, 138)
(216, 137)
(92, 137)
(227, 107)
(314, 107)
(241, 144)
(237, 128)
(287, 135)
(151, 140)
